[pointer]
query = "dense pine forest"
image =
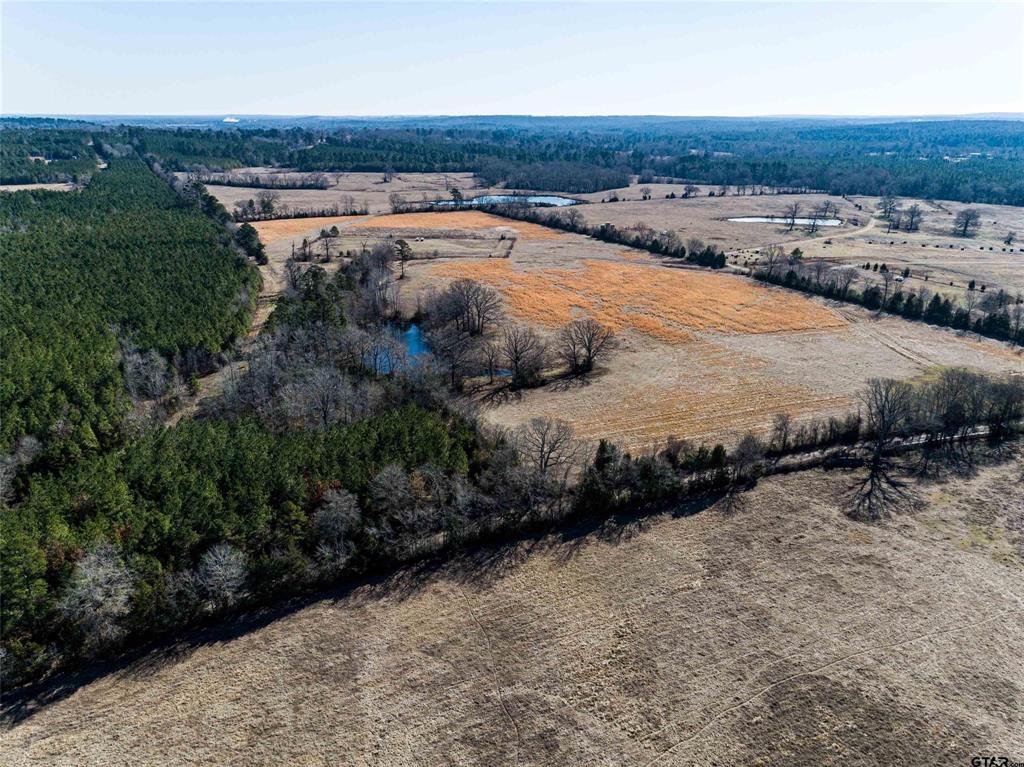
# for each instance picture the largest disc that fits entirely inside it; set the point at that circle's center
(86, 272)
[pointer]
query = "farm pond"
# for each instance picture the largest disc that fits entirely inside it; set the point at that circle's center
(496, 199)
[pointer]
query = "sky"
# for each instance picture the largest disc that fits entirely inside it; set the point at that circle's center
(425, 58)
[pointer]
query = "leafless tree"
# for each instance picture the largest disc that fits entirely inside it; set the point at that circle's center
(792, 212)
(690, 190)
(895, 221)
(966, 222)
(845, 277)
(321, 398)
(888, 279)
(574, 219)
(818, 268)
(455, 349)
(292, 275)
(222, 573)
(1010, 238)
(490, 355)
(970, 301)
(888, 407)
(782, 425)
(746, 457)
(816, 216)
(645, 192)
(334, 524)
(887, 205)
(145, 374)
(912, 218)
(547, 445)
(772, 257)
(98, 597)
(524, 352)
(475, 307)
(584, 342)
(267, 201)
(397, 202)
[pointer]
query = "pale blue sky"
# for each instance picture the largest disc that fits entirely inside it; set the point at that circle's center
(511, 58)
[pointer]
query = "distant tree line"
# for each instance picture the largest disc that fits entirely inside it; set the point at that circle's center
(966, 160)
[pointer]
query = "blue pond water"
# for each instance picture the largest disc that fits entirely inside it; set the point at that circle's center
(495, 199)
(412, 337)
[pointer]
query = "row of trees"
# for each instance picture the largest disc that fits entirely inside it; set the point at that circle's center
(997, 314)
(267, 205)
(640, 235)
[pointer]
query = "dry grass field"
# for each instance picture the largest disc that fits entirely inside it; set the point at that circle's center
(705, 356)
(772, 630)
(702, 355)
(365, 188)
(707, 217)
(934, 251)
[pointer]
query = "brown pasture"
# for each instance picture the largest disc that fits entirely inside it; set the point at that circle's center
(765, 629)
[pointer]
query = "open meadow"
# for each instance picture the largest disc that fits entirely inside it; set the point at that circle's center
(932, 251)
(767, 631)
(702, 355)
(365, 189)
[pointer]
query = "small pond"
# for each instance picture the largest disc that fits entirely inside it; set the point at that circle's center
(412, 338)
(785, 221)
(497, 199)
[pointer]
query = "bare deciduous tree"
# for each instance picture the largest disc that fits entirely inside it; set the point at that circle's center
(524, 352)
(98, 597)
(582, 343)
(333, 525)
(222, 573)
(772, 257)
(792, 212)
(887, 205)
(912, 218)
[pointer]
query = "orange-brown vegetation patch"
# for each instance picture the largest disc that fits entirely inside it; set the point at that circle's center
(458, 219)
(281, 228)
(665, 303)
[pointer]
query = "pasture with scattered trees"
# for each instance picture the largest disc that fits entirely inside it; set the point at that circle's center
(330, 453)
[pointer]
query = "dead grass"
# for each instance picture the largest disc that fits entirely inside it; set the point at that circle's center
(284, 228)
(460, 219)
(667, 304)
(770, 631)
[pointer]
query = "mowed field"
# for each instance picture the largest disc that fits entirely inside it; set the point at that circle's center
(772, 630)
(703, 355)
